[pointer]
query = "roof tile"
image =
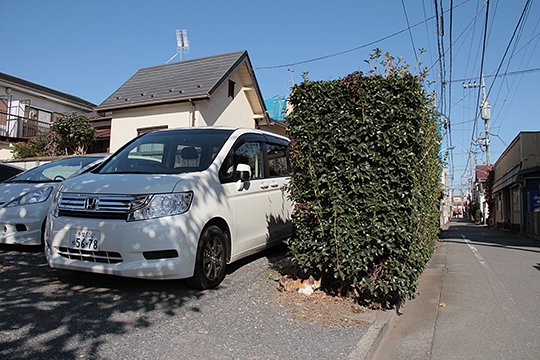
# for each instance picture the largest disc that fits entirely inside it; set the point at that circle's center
(191, 78)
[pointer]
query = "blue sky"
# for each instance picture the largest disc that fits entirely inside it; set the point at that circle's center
(89, 48)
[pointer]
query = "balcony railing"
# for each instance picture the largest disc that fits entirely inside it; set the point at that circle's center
(18, 127)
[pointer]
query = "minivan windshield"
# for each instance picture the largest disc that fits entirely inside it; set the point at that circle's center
(168, 152)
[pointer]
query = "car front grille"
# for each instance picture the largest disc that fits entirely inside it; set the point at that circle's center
(103, 257)
(96, 206)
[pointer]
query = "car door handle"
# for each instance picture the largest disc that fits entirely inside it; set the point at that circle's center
(264, 185)
(274, 184)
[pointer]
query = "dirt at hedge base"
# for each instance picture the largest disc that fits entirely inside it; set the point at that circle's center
(317, 308)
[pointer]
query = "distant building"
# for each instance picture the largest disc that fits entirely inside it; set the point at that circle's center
(516, 187)
(458, 206)
(478, 195)
(276, 107)
(28, 109)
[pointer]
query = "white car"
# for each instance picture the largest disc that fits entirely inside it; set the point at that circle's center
(174, 204)
(26, 198)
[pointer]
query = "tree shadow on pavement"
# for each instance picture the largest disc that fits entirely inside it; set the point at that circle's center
(57, 314)
(484, 236)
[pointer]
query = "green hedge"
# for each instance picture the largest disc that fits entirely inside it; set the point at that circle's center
(365, 181)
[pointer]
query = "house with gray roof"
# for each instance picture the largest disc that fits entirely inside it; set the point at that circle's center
(218, 90)
(28, 109)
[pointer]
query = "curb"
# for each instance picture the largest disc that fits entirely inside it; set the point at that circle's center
(368, 344)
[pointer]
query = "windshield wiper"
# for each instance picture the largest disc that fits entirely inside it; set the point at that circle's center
(128, 172)
(30, 181)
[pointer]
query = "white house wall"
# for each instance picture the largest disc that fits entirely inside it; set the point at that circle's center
(222, 110)
(124, 123)
(219, 110)
(42, 102)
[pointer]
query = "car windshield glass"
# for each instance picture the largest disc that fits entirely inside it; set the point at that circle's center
(169, 152)
(58, 170)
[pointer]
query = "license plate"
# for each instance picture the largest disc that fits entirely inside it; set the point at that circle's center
(84, 240)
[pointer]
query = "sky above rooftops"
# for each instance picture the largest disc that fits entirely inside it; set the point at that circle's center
(90, 48)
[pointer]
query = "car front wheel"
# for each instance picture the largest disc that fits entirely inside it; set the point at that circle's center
(210, 263)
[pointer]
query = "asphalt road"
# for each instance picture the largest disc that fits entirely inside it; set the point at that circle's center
(56, 314)
(479, 299)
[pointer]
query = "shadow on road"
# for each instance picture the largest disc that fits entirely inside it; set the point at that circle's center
(49, 313)
(58, 314)
(484, 236)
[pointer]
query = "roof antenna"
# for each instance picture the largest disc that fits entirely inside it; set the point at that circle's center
(182, 44)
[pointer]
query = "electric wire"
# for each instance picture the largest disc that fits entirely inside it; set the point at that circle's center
(354, 48)
(440, 56)
(521, 64)
(505, 74)
(510, 43)
(450, 94)
(461, 34)
(479, 89)
(410, 32)
(509, 100)
(427, 31)
(472, 38)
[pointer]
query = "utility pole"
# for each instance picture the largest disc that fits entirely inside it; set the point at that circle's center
(485, 112)
(486, 116)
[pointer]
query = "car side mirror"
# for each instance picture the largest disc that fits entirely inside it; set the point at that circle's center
(244, 174)
(243, 171)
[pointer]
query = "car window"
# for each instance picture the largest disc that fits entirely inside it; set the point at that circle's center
(187, 156)
(278, 162)
(249, 153)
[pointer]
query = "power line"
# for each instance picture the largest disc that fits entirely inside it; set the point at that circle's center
(355, 48)
(427, 31)
(512, 95)
(510, 42)
(510, 73)
(481, 74)
(450, 92)
(481, 66)
(410, 32)
(472, 38)
(460, 35)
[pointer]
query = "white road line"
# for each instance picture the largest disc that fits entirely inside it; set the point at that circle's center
(475, 252)
(502, 295)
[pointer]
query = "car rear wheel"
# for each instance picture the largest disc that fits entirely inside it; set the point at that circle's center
(210, 263)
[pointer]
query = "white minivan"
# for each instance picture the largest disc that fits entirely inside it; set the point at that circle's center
(174, 204)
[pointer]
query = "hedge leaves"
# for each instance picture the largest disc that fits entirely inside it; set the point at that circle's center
(365, 182)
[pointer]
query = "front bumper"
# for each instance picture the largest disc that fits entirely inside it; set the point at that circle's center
(21, 225)
(127, 241)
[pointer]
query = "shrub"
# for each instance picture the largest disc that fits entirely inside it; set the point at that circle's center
(74, 132)
(43, 145)
(365, 181)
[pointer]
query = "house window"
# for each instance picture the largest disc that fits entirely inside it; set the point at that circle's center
(145, 130)
(231, 88)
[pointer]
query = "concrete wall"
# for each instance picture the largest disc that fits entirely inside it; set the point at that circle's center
(5, 151)
(509, 159)
(530, 150)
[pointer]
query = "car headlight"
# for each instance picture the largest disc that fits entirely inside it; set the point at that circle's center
(160, 205)
(32, 197)
(54, 206)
